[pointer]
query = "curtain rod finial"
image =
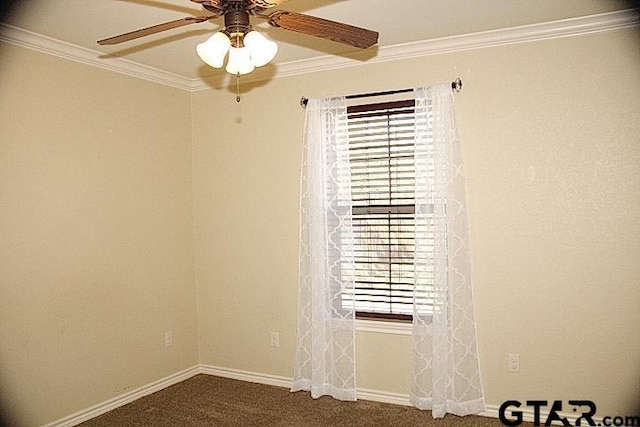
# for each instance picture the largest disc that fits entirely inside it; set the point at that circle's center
(303, 102)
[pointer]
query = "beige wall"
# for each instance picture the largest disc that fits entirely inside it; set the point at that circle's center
(96, 241)
(104, 178)
(550, 138)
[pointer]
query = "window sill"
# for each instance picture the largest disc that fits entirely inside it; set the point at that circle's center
(398, 328)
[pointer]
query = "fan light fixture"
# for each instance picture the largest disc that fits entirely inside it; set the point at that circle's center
(246, 51)
(239, 35)
(247, 48)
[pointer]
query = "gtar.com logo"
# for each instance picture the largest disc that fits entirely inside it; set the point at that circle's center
(511, 414)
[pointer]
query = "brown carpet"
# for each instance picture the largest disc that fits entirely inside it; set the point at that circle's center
(206, 400)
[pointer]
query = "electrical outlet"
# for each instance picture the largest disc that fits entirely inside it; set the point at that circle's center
(168, 339)
(513, 363)
(275, 339)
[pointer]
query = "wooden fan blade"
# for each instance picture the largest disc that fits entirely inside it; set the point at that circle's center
(252, 4)
(218, 4)
(319, 27)
(266, 4)
(155, 29)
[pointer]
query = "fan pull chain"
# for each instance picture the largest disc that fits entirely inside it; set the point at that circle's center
(237, 87)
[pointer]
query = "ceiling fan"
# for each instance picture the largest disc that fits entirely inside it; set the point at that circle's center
(246, 47)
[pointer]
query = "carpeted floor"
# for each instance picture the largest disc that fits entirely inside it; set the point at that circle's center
(206, 400)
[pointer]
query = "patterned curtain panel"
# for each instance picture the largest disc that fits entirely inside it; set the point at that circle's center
(325, 356)
(445, 372)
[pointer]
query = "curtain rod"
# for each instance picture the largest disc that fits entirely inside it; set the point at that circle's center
(456, 85)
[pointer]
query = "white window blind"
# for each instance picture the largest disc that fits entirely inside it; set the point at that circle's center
(381, 153)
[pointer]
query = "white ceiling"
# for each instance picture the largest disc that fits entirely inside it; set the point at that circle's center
(82, 22)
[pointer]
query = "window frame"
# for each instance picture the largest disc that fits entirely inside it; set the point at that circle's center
(367, 318)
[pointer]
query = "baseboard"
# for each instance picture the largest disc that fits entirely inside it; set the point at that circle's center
(122, 400)
(492, 411)
(254, 377)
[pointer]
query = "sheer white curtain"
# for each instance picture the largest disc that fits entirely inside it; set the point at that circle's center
(445, 371)
(325, 355)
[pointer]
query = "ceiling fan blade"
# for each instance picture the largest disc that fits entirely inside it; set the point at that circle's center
(319, 27)
(154, 29)
(249, 4)
(218, 4)
(265, 4)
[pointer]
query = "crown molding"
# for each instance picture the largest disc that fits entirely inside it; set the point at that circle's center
(514, 35)
(38, 42)
(584, 25)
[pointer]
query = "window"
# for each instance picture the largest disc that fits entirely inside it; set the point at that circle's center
(381, 157)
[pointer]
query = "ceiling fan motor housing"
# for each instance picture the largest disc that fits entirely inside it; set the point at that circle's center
(236, 21)
(236, 13)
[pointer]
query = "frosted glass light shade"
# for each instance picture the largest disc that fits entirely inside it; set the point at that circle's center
(262, 49)
(239, 61)
(213, 51)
